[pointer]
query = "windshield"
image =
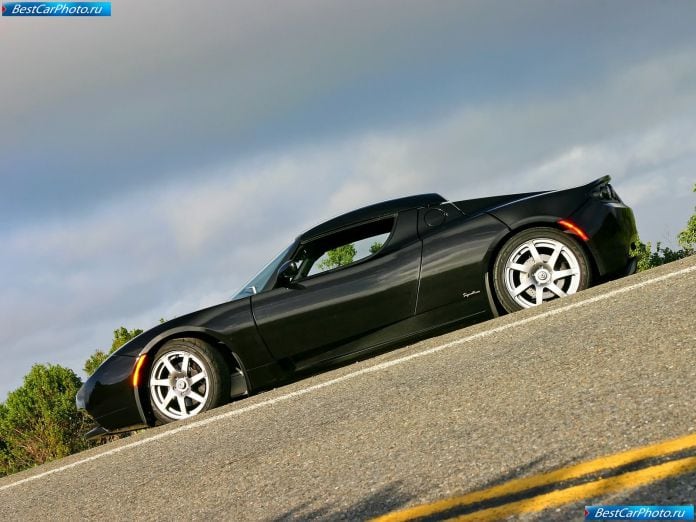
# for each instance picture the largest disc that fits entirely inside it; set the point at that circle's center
(260, 280)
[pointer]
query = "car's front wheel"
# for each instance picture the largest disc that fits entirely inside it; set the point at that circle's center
(538, 265)
(187, 377)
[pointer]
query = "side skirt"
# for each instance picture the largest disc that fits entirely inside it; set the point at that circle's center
(345, 354)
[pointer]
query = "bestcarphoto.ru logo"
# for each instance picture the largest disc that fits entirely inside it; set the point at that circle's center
(56, 9)
(612, 513)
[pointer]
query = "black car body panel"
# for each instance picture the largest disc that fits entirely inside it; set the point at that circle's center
(613, 237)
(455, 259)
(108, 394)
(432, 272)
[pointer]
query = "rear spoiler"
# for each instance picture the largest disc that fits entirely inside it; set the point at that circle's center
(596, 183)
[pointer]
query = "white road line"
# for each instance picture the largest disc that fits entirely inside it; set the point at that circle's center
(352, 375)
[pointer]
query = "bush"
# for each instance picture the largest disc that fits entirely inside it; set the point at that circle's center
(649, 259)
(39, 421)
(687, 237)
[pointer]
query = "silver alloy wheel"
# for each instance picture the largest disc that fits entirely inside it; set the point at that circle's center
(540, 270)
(179, 384)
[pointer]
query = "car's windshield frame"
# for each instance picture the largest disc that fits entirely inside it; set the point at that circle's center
(261, 280)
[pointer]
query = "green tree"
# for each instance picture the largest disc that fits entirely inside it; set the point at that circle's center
(339, 256)
(121, 337)
(687, 240)
(39, 421)
(687, 237)
(376, 247)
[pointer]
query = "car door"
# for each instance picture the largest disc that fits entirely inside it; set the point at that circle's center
(456, 250)
(350, 283)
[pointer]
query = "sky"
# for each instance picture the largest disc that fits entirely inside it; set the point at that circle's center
(153, 161)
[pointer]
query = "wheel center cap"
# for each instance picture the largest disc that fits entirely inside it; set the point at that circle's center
(542, 275)
(181, 384)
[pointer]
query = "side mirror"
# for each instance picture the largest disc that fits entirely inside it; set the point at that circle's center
(287, 272)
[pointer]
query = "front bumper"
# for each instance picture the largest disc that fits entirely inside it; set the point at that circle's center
(109, 397)
(632, 267)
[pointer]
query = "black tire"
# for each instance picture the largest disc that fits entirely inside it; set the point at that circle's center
(200, 393)
(516, 266)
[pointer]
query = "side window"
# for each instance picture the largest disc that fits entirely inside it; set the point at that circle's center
(344, 247)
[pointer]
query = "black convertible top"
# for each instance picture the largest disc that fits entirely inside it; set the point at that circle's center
(375, 211)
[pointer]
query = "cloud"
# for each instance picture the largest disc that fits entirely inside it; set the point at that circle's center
(159, 89)
(553, 142)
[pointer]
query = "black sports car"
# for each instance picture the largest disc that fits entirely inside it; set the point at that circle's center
(366, 280)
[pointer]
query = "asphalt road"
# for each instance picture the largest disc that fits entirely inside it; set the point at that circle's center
(594, 374)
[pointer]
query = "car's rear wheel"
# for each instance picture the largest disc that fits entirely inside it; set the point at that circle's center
(538, 265)
(187, 377)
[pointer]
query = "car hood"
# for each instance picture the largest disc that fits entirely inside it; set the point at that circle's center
(200, 319)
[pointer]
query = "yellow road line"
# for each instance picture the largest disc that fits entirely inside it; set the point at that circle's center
(522, 484)
(630, 480)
